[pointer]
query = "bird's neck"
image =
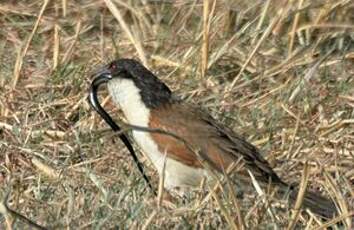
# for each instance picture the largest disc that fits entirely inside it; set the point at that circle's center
(129, 98)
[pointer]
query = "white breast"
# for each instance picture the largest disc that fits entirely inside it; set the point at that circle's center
(127, 96)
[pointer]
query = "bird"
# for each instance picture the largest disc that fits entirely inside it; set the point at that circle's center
(204, 145)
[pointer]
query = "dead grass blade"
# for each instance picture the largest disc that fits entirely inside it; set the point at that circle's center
(161, 183)
(22, 53)
(136, 42)
(149, 220)
(70, 50)
(335, 220)
(294, 27)
(56, 46)
(207, 15)
(308, 76)
(64, 7)
(262, 18)
(325, 26)
(224, 210)
(241, 223)
(333, 185)
(7, 212)
(261, 40)
(46, 169)
(262, 195)
(300, 197)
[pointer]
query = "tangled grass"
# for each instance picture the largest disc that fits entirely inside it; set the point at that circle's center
(278, 72)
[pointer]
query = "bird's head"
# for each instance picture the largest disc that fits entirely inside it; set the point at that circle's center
(129, 80)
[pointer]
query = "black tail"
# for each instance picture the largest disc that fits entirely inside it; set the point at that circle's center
(316, 203)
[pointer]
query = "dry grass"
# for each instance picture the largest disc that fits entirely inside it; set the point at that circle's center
(279, 72)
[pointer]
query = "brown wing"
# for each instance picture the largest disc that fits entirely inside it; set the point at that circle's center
(218, 145)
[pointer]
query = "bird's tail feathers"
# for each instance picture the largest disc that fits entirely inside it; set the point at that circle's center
(317, 203)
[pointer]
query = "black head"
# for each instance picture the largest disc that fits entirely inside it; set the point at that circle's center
(153, 91)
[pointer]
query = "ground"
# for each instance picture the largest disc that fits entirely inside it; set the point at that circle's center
(278, 72)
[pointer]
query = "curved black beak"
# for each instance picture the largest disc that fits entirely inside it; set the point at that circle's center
(95, 104)
(103, 76)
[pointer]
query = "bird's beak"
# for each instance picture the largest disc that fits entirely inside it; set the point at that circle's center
(101, 76)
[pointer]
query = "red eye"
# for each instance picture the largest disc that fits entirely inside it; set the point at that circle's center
(113, 66)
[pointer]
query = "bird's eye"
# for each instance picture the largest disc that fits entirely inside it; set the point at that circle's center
(113, 66)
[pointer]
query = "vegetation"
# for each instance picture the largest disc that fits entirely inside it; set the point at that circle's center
(278, 72)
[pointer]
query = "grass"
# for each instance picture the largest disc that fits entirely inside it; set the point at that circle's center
(278, 72)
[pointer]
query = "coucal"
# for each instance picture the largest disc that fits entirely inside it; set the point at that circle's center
(148, 102)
